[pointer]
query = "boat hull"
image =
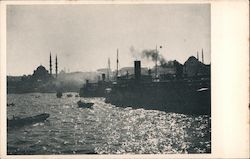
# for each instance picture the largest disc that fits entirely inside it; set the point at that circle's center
(94, 89)
(84, 105)
(19, 122)
(179, 96)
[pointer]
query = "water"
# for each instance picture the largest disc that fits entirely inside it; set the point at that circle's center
(104, 129)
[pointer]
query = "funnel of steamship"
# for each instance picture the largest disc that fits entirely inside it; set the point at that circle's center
(184, 90)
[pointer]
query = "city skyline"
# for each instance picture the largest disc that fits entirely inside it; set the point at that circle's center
(85, 36)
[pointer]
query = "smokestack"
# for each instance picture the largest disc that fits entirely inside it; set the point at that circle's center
(103, 77)
(198, 55)
(137, 70)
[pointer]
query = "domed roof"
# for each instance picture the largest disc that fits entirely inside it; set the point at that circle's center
(41, 70)
(41, 67)
(191, 59)
(40, 73)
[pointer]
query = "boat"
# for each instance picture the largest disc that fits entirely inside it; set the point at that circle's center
(179, 95)
(19, 122)
(175, 96)
(59, 94)
(84, 105)
(10, 104)
(94, 89)
(69, 95)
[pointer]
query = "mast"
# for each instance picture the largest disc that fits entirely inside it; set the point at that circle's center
(108, 69)
(117, 62)
(50, 64)
(156, 62)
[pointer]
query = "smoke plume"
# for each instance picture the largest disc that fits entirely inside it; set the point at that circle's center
(150, 54)
(155, 56)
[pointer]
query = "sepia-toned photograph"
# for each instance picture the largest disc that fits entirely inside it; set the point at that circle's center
(108, 79)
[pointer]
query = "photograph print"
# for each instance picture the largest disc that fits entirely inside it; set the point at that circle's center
(108, 79)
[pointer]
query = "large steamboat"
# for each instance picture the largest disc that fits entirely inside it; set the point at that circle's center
(181, 95)
(175, 93)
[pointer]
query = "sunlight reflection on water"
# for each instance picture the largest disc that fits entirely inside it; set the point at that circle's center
(104, 129)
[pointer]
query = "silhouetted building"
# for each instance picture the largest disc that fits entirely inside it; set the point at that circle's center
(195, 68)
(41, 74)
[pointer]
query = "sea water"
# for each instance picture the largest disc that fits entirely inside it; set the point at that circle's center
(102, 129)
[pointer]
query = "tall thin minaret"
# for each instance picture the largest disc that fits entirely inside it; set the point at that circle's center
(56, 66)
(50, 64)
(198, 55)
(202, 56)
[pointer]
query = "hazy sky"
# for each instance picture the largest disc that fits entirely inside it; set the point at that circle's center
(85, 36)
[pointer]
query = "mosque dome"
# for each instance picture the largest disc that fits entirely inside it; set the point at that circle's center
(41, 67)
(41, 73)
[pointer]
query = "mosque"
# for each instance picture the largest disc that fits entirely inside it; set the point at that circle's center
(41, 74)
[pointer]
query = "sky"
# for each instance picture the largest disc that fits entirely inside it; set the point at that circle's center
(84, 36)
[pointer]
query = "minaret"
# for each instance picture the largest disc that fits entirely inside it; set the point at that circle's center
(202, 56)
(50, 64)
(197, 55)
(56, 66)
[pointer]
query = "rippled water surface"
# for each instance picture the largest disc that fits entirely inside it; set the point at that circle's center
(104, 129)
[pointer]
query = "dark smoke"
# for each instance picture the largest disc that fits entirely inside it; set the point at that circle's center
(150, 54)
(155, 56)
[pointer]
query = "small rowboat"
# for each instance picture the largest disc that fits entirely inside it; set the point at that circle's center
(10, 104)
(84, 105)
(19, 122)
